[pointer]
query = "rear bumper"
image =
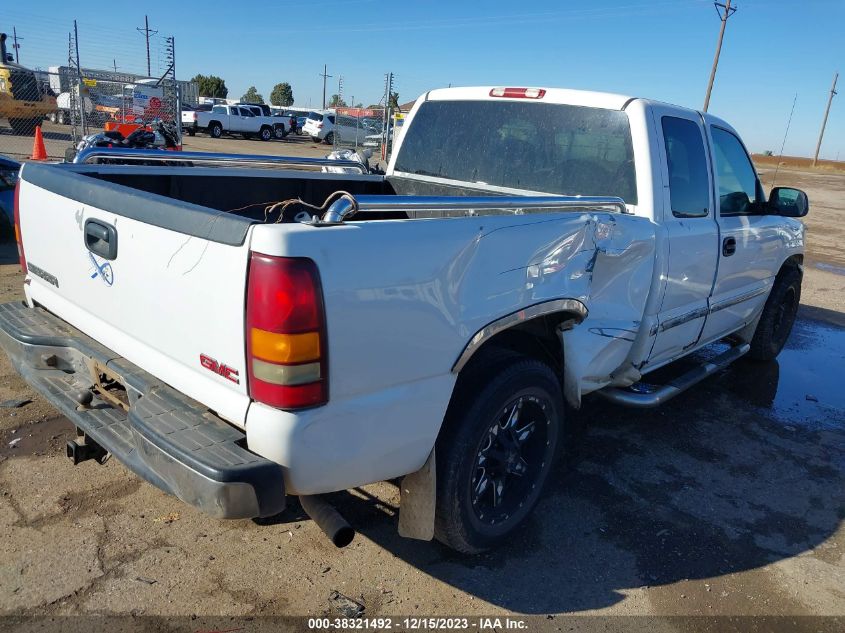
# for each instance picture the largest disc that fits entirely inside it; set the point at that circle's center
(168, 439)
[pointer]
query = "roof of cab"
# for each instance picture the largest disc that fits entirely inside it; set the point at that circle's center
(586, 98)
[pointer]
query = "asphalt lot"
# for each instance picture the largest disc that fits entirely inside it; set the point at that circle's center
(728, 500)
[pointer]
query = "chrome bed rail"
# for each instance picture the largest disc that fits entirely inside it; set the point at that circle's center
(347, 206)
(102, 155)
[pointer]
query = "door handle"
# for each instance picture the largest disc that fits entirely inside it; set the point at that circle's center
(101, 239)
(728, 246)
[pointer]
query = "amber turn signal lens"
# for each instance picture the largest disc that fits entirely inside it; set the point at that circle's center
(285, 348)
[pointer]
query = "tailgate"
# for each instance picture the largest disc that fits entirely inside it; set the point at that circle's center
(159, 281)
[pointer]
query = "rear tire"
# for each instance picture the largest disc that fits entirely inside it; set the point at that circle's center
(494, 453)
(329, 138)
(279, 132)
(215, 130)
(778, 316)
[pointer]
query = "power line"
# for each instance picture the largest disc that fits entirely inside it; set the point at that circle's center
(728, 12)
(325, 75)
(782, 145)
(147, 32)
(824, 120)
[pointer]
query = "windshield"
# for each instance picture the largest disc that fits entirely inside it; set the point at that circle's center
(560, 149)
(314, 116)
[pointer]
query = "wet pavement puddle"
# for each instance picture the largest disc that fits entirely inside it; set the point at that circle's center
(804, 385)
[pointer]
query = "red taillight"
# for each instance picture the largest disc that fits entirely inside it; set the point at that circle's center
(18, 237)
(286, 333)
(319, 126)
(518, 93)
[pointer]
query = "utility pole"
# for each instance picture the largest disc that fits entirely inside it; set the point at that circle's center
(824, 120)
(16, 46)
(340, 89)
(729, 11)
(147, 32)
(325, 75)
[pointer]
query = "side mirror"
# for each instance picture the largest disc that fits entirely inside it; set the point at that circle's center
(788, 202)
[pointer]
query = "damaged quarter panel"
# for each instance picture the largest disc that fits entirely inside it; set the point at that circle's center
(621, 273)
(403, 299)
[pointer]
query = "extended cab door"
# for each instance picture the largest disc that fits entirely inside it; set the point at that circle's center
(750, 242)
(249, 122)
(236, 119)
(690, 227)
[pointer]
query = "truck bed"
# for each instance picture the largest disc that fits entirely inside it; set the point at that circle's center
(246, 193)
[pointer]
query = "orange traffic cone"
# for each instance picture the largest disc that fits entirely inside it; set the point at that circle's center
(39, 152)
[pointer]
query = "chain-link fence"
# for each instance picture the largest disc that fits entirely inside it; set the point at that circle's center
(356, 128)
(74, 80)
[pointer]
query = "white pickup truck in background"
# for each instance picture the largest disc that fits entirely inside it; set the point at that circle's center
(262, 111)
(526, 247)
(229, 119)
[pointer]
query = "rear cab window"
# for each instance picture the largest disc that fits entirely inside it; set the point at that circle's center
(689, 184)
(550, 148)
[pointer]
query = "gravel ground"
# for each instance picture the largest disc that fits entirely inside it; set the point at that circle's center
(729, 500)
(57, 139)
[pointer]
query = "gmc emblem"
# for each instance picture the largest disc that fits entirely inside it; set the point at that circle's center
(219, 368)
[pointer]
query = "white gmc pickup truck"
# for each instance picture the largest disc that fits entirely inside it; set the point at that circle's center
(235, 330)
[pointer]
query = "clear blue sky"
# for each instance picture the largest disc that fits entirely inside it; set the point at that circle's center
(661, 49)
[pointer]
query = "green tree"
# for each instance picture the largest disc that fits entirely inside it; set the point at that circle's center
(211, 86)
(394, 101)
(337, 102)
(252, 96)
(282, 95)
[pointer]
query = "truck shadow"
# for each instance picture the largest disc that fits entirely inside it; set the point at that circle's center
(740, 472)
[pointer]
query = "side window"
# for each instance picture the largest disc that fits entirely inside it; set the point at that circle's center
(689, 184)
(738, 192)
